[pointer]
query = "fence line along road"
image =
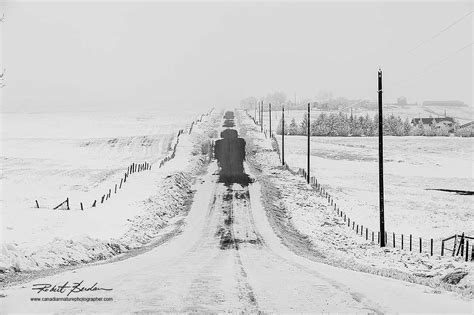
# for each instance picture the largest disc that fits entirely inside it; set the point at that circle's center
(460, 243)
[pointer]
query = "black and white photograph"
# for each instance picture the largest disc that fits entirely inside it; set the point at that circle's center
(236, 156)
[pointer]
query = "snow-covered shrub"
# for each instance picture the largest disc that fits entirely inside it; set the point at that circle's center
(465, 132)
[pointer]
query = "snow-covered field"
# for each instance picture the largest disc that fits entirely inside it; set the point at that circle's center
(348, 169)
(271, 246)
(51, 156)
(48, 157)
(308, 224)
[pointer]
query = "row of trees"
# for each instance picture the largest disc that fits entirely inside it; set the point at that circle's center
(343, 125)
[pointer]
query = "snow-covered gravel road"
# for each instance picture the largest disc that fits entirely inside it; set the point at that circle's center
(228, 258)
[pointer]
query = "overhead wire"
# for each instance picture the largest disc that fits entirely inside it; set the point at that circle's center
(440, 32)
(426, 69)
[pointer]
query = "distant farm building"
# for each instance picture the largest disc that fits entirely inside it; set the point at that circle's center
(439, 122)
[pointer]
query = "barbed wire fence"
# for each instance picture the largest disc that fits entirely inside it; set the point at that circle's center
(460, 243)
(133, 168)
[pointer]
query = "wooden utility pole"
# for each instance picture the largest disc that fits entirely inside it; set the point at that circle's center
(283, 135)
(259, 112)
(255, 112)
(381, 200)
(308, 177)
(258, 119)
(261, 115)
(270, 117)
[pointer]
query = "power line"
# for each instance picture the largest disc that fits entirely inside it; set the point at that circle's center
(447, 57)
(421, 71)
(440, 32)
(440, 61)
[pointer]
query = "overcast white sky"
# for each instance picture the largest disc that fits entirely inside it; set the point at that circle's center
(82, 56)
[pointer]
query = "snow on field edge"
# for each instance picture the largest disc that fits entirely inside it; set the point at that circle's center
(308, 225)
(158, 209)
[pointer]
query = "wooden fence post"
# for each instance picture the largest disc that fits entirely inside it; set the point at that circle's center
(121, 180)
(410, 242)
(467, 250)
(372, 236)
(115, 188)
(366, 234)
(102, 200)
(37, 204)
(421, 245)
(402, 240)
(95, 202)
(67, 203)
(454, 246)
(82, 208)
(394, 239)
(461, 244)
(442, 248)
(431, 250)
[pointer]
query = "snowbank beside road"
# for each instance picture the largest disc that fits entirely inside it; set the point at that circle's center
(308, 226)
(145, 209)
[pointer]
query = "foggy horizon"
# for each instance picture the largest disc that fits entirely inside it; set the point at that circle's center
(153, 55)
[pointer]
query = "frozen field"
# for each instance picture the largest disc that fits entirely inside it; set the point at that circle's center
(51, 156)
(68, 160)
(348, 168)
